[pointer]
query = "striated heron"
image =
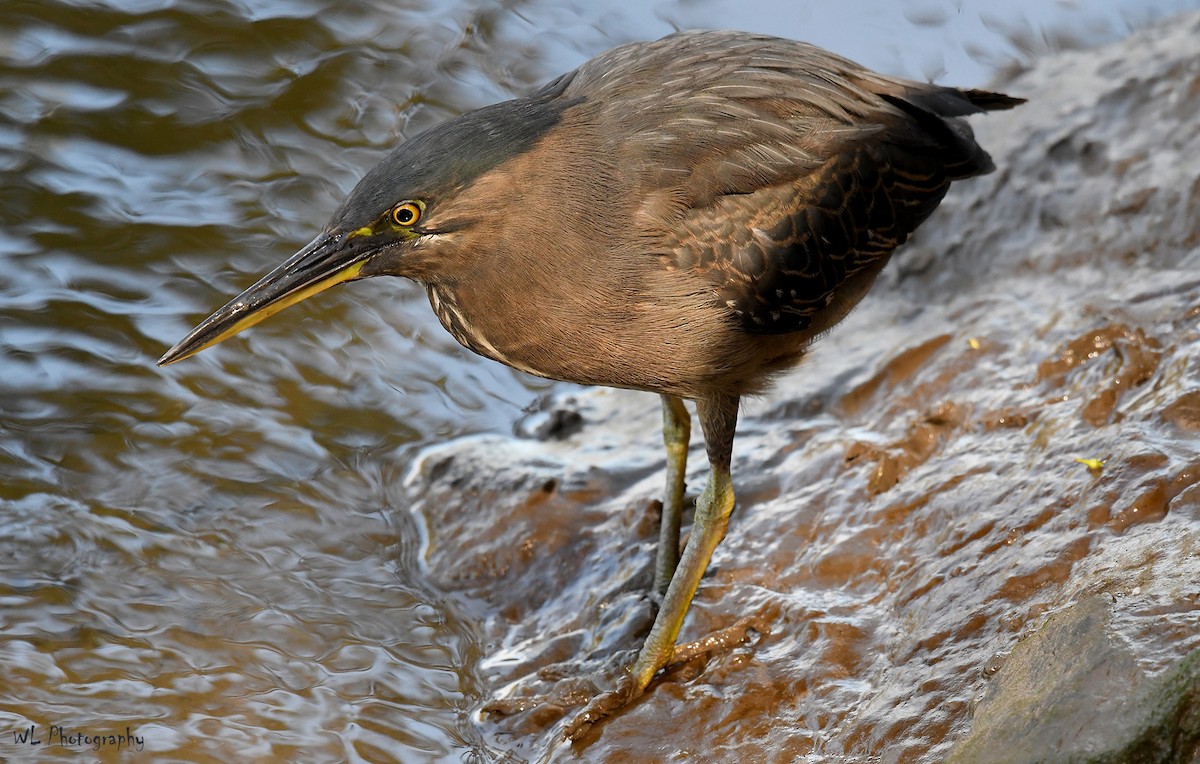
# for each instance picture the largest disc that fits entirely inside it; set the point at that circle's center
(682, 216)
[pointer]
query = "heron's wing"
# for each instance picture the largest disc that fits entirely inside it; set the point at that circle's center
(778, 255)
(780, 169)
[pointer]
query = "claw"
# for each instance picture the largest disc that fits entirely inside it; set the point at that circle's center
(601, 706)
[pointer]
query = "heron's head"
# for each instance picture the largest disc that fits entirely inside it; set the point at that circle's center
(401, 215)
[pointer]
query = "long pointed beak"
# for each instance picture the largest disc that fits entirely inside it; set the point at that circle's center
(325, 261)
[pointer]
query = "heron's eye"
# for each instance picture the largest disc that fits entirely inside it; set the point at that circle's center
(406, 214)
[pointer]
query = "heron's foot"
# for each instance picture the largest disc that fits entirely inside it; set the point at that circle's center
(604, 704)
(543, 710)
(629, 688)
(541, 699)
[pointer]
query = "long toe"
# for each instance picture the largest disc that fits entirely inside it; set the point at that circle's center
(604, 704)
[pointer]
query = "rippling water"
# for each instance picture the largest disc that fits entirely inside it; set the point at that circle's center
(217, 556)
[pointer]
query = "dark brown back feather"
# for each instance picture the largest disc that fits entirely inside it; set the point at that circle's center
(776, 169)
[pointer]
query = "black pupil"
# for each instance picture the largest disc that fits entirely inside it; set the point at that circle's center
(404, 215)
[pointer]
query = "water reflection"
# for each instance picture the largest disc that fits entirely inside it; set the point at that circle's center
(219, 555)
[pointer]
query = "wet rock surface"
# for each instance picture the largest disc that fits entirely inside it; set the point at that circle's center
(1073, 692)
(911, 506)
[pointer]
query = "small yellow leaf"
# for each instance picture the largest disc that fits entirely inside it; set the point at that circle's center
(1095, 465)
(974, 343)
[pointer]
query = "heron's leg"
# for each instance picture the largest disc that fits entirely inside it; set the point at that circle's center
(677, 431)
(718, 417)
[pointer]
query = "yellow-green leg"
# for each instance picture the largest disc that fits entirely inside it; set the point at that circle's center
(712, 517)
(677, 431)
(718, 418)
